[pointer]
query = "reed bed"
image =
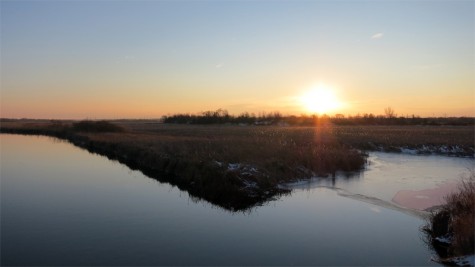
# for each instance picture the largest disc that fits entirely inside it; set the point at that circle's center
(451, 229)
(233, 166)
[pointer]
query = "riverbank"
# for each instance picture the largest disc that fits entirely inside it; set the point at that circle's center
(455, 141)
(451, 228)
(63, 206)
(232, 167)
(237, 167)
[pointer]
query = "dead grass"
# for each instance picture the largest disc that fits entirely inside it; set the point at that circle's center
(392, 138)
(455, 220)
(278, 151)
(197, 158)
(96, 127)
(461, 207)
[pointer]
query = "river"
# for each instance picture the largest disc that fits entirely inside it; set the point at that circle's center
(61, 205)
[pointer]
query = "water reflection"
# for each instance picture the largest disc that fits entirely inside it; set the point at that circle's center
(63, 206)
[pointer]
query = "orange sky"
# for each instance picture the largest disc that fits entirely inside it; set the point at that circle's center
(148, 59)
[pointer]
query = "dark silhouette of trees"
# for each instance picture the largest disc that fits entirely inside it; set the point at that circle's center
(389, 111)
(222, 116)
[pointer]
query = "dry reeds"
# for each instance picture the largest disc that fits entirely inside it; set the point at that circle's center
(452, 228)
(96, 126)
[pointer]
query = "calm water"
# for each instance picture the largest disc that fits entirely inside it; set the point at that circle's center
(61, 205)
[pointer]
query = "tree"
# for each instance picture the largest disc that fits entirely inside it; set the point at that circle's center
(389, 112)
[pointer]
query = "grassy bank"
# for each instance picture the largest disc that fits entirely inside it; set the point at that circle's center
(237, 167)
(233, 167)
(451, 230)
(441, 140)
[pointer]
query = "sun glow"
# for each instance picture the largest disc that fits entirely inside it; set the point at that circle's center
(320, 99)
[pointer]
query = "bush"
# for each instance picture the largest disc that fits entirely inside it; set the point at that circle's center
(96, 126)
(455, 222)
(461, 207)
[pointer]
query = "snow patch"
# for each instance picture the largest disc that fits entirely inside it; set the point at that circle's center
(468, 260)
(447, 239)
(249, 184)
(431, 150)
(409, 151)
(233, 166)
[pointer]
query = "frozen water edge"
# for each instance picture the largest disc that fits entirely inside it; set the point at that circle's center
(467, 260)
(443, 150)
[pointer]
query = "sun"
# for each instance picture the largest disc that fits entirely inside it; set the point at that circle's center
(320, 99)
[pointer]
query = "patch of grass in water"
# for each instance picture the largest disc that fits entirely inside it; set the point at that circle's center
(451, 229)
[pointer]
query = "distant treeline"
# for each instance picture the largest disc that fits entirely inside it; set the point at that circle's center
(222, 116)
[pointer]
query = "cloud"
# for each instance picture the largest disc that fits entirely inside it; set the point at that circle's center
(220, 65)
(378, 35)
(427, 66)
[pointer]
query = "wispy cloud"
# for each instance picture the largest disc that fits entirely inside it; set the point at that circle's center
(219, 65)
(125, 59)
(427, 66)
(378, 35)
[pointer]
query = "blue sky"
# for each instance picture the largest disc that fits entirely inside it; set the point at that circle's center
(110, 59)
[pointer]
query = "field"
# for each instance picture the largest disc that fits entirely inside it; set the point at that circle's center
(237, 167)
(443, 140)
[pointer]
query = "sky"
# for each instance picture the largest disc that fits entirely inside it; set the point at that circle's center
(145, 59)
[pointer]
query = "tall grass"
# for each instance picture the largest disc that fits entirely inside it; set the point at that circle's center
(393, 138)
(455, 222)
(461, 207)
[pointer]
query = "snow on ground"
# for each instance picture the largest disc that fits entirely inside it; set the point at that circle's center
(233, 166)
(431, 150)
(468, 260)
(444, 239)
(409, 151)
(249, 184)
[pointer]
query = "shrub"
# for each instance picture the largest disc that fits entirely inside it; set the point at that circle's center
(455, 222)
(96, 126)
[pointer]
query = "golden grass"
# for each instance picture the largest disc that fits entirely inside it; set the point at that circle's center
(455, 221)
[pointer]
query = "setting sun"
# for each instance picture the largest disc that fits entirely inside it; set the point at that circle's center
(320, 99)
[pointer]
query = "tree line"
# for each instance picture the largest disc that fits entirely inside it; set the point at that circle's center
(222, 116)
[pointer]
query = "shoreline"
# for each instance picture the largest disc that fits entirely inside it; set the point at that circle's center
(232, 185)
(171, 171)
(235, 168)
(450, 228)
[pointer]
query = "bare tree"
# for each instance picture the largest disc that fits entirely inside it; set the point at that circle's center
(389, 112)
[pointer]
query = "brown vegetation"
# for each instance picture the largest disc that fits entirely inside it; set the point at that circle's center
(451, 229)
(96, 127)
(238, 166)
(234, 167)
(445, 140)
